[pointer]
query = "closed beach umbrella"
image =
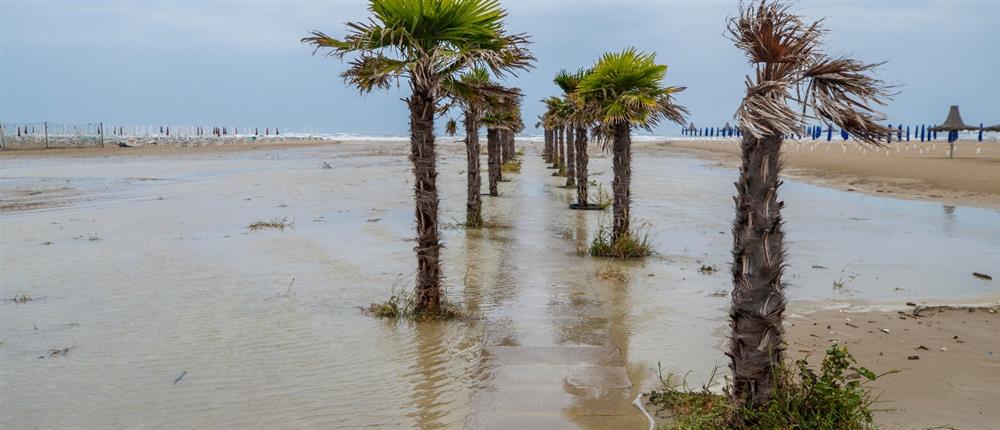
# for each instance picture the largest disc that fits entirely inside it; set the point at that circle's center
(980, 132)
(907, 133)
(844, 135)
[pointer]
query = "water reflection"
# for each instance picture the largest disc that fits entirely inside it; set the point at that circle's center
(949, 220)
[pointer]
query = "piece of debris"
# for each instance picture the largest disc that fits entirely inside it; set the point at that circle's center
(913, 357)
(922, 348)
(982, 276)
(708, 270)
(273, 224)
(884, 330)
(180, 377)
(817, 266)
(910, 304)
(327, 165)
(21, 298)
(944, 349)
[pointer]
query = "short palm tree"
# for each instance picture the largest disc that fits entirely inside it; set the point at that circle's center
(626, 90)
(794, 82)
(425, 42)
(501, 117)
(580, 117)
(558, 111)
(472, 92)
(568, 82)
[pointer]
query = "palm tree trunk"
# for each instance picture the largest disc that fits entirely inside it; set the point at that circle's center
(758, 260)
(547, 152)
(581, 166)
(474, 202)
(493, 159)
(428, 289)
(570, 158)
(622, 166)
(558, 149)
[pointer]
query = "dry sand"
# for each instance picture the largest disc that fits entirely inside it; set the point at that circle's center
(948, 360)
(969, 179)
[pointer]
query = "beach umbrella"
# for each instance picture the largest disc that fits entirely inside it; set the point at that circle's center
(980, 132)
(899, 133)
(691, 129)
(276, 132)
(829, 133)
(844, 135)
(922, 130)
(907, 133)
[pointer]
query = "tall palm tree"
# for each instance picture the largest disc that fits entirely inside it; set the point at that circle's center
(425, 42)
(793, 83)
(626, 91)
(472, 92)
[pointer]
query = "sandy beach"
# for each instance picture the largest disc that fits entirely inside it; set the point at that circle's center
(970, 178)
(946, 358)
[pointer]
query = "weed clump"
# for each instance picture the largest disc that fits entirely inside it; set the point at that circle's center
(511, 166)
(274, 224)
(603, 198)
(22, 298)
(834, 397)
(634, 243)
(402, 304)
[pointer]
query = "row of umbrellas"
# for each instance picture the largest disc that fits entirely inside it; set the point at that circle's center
(952, 124)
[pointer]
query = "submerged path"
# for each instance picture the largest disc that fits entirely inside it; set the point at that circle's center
(558, 359)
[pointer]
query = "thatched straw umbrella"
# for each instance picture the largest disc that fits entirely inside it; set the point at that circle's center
(953, 124)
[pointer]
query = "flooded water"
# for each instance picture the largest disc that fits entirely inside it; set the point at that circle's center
(176, 315)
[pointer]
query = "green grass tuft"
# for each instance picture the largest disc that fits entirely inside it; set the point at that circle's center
(400, 305)
(511, 166)
(832, 397)
(633, 244)
(603, 198)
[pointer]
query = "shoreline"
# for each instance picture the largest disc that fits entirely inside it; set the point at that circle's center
(968, 180)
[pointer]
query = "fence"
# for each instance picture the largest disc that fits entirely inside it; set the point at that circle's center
(42, 135)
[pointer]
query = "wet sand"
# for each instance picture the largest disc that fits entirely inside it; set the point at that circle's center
(153, 303)
(948, 358)
(912, 170)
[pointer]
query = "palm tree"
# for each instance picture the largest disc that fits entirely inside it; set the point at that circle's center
(558, 111)
(472, 92)
(425, 42)
(568, 82)
(502, 116)
(579, 119)
(626, 90)
(794, 82)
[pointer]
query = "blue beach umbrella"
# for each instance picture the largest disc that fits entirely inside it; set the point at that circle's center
(907, 133)
(980, 132)
(829, 133)
(844, 135)
(922, 133)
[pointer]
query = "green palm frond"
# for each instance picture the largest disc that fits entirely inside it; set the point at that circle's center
(451, 127)
(627, 87)
(425, 41)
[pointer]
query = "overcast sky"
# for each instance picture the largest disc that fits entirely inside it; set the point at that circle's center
(241, 63)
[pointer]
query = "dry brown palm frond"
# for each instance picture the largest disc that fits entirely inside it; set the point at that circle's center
(841, 91)
(786, 53)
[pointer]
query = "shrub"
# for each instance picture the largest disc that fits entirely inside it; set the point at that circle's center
(834, 397)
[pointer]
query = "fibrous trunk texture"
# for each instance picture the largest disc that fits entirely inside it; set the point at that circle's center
(570, 157)
(428, 289)
(581, 166)
(622, 166)
(474, 203)
(758, 260)
(493, 159)
(559, 144)
(548, 145)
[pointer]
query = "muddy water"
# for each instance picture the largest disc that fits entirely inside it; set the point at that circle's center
(176, 315)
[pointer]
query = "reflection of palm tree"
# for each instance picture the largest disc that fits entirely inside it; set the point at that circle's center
(429, 376)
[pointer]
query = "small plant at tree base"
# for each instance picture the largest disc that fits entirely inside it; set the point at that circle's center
(633, 244)
(834, 397)
(511, 166)
(604, 199)
(402, 305)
